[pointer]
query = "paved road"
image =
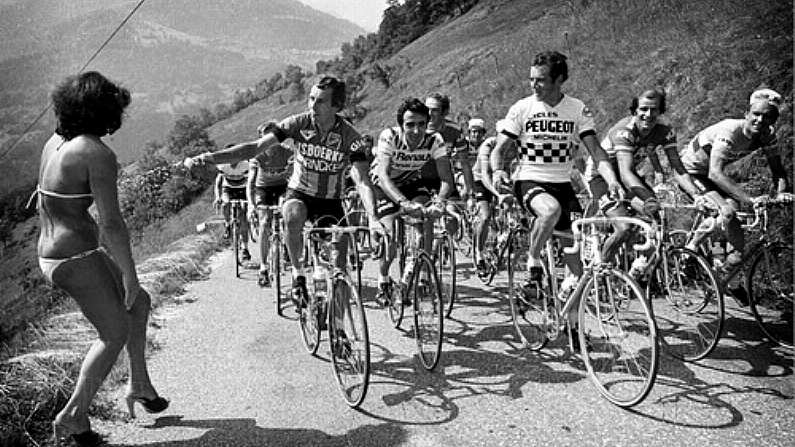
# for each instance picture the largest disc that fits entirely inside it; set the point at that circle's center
(237, 375)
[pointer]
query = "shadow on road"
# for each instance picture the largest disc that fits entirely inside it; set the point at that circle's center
(245, 432)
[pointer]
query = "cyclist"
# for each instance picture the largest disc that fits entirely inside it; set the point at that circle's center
(267, 183)
(713, 149)
(230, 184)
(628, 143)
(485, 192)
(546, 126)
(325, 145)
(456, 146)
(396, 172)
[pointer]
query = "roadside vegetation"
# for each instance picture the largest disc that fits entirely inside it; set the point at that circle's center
(707, 54)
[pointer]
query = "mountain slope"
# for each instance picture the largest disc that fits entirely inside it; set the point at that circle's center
(174, 56)
(708, 55)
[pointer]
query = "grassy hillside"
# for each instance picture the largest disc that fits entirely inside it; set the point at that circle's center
(708, 55)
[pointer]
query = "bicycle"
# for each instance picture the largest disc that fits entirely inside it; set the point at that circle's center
(682, 288)
(419, 285)
(278, 264)
(616, 330)
(343, 314)
(768, 268)
(238, 208)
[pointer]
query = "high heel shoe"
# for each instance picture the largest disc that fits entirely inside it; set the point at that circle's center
(155, 405)
(63, 433)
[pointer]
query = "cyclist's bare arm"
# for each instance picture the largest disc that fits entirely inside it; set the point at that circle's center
(717, 163)
(466, 170)
(443, 167)
(363, 186)
(242, 151)
(385, 183)
(681, 176)
(252, 176)
(626, 170)
(485, 173)
(780, 177)
(219, 180)
(497, 158)
(600, 158)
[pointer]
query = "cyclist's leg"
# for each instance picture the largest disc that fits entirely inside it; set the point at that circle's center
(226, 210)
(547, 211)
(598, 189)
(294, 212)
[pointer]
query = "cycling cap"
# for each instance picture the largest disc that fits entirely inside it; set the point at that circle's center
(477, 122)
(767, 95)
(433, 103)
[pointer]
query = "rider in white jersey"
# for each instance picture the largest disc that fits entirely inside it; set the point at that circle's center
(399, 184)
(713, 149)
(546, 127)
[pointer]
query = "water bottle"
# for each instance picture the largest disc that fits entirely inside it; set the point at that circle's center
(319, 281)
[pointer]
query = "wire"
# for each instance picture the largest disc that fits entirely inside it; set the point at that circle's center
(91, 59)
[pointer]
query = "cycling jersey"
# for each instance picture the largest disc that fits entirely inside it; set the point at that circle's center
(724, 141)
(625, 137)
(234, 176)
(451, 134)
(320, 161)
(547, 136)
(482, 159)
(405, 164)
(273, 166)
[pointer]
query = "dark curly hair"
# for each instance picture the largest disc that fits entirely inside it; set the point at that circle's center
(88, 103)
(411, 105)
(338, 95)
(556, 63)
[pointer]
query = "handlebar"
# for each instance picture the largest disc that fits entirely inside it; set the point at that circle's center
(648, 230)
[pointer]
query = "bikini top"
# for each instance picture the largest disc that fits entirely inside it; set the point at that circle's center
(56, 195)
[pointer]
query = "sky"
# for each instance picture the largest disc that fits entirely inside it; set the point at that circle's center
(365, 13)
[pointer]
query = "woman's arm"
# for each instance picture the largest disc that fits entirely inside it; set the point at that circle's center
(102, 177)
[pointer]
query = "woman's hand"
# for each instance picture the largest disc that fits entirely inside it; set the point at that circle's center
(131, 290)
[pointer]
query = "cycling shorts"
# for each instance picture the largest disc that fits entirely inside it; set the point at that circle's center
(563, 193)
(228, 194)
(268, 195)
(384, 205)
(329, 211)
(482, 194)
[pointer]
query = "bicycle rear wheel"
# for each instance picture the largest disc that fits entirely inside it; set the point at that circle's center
(445, 256)
(425, 293)
(349, 341)
(529, 314)
(770, 289)
(687, 303)
(618, 338)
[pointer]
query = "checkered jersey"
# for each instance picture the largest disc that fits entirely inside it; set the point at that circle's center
(547, 136)
(404, 164)
(321, 160)
(625, 137)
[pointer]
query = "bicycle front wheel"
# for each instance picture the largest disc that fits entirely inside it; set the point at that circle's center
(687, 303)
(618, 339)
(445, 257)
(236, 243)
(770, 288)
(530, 314)
(425, 292)
(349, 341)
(309, 321)
(275, 260)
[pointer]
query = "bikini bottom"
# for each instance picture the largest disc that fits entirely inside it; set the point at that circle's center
(49, 265)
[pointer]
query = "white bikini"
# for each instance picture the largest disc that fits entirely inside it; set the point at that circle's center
(48, 265)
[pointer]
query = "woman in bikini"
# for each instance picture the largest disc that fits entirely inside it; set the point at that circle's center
(78, 169)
